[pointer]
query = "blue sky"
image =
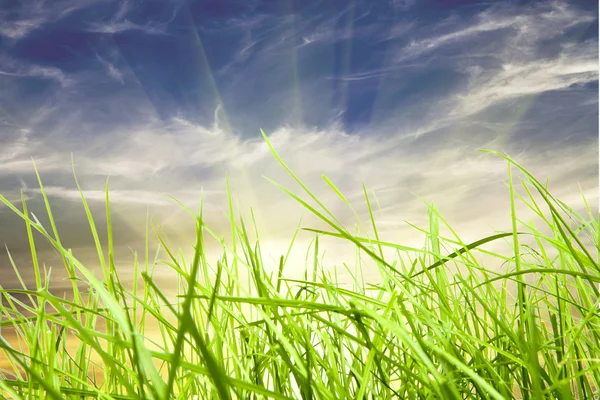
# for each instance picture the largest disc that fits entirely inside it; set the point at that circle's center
(169, 97)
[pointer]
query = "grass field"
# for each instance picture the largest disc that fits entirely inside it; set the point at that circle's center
(438, 324)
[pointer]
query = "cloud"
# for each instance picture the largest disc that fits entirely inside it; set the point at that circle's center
(143, 159)
(151, 28)
(575, 65)
(15, 147)
(503, 54)
(32, 15)
(20, 28)
(18, 21)
(399, 30)
(37, 71)
(140, 197)
(402, 4)
(111, 69)
(523, 27)
(371, 74)
(120, 22)
(268, 35)
(124, 7)
(146, 164)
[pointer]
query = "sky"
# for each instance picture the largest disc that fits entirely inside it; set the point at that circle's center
(168, 98)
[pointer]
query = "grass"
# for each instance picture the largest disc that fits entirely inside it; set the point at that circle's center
(437, 325)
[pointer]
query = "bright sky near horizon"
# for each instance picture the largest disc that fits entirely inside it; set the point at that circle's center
(168, 96)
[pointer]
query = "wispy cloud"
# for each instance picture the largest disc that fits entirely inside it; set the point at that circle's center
(575, 65)
(154, 28)
(268, 35)
(121, 22)
(371, 74)
(18, 21)
(399, 30)
(20, 28)
(111, 69)
(522, 27)
(498, 53)
(31, 15)
(402, 4)
(140, 197)
(15, 147)
(13, 68)
(124, 8)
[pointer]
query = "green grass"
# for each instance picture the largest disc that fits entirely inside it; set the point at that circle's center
(438, 324)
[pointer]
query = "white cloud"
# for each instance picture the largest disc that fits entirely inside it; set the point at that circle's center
(21, 28)
(499, 53)
(520, 79)
(31, 15)
(111, 69)
(119, 22)
(148, 159)
(124, 8)
(16, 147)
(19, 70)
(524, 27)
(125, 25)
(146, 162)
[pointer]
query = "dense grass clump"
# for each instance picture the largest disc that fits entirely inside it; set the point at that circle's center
(437, 325)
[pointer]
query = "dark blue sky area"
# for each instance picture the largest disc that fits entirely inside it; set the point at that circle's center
(280, 62)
